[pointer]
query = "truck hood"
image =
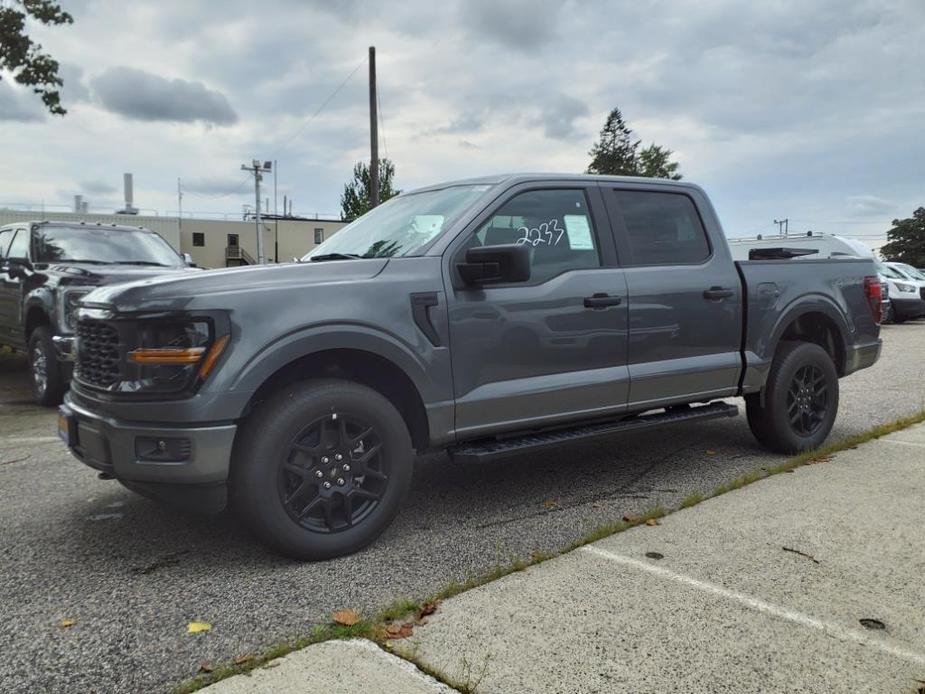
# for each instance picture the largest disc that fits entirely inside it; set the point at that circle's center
(206, 289)
(93, 273)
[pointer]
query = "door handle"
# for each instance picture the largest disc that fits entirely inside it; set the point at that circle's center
(601, 300)
(717, 293)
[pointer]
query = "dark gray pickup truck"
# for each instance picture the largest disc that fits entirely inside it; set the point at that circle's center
(486, 318)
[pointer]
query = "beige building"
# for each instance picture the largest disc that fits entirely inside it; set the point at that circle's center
(211, 243)
(221, 243)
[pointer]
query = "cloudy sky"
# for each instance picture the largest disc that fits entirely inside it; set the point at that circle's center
(812, 110)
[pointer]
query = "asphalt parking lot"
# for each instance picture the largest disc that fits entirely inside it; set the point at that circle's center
(132, 575)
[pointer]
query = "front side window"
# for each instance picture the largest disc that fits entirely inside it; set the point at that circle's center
(6, 235)
(401, 225)
(661, 228)
(92, 244)
(20, 246)
(554, 224)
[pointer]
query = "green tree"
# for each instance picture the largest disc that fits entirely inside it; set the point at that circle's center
(655, 162)
(617, 153)
(22, 57)
(355, 199)
(906, 240)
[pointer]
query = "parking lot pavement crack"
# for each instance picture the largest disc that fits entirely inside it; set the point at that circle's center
(14, 460)
(802, 554)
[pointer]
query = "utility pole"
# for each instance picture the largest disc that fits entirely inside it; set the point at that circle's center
(258, 169)
(783, 226)
(179, 204)
(373, 133)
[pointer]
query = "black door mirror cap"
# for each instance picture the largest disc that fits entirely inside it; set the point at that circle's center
(495, 265)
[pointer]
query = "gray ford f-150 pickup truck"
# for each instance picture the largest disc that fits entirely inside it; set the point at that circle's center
(486, 317)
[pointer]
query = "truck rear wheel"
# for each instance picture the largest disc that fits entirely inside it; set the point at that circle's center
(320, 469)
(800, 400)
(48, 382)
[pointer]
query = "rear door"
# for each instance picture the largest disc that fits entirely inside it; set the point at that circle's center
(552, 348)
(685, 303)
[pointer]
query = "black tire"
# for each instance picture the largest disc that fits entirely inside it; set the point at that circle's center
(800, 399)
(48, 382)
(286, 451)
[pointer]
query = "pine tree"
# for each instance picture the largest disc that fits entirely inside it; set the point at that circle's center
(355, 200)
(907, 240)
(615, 153)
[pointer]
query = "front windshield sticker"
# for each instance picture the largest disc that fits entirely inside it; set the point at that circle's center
(427, 224)
(579, 231)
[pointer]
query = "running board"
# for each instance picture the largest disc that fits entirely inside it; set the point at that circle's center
(490, 449)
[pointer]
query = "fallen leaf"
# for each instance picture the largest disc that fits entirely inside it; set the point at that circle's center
(428, 608)
(392, 631)
(205, 666)
(198, 627)
(241, 659)
(65, 623)
(399, 631)
(652, 521)
(550, 503)
(710, 451)
(820, 459)
(630, 518)
(346, 617)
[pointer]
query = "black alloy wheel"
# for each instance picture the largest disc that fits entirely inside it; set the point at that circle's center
(807, 400)
(335, 474)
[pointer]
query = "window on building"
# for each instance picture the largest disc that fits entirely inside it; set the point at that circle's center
(554, 224)
(319, 235)
(199, 238)
(661, 228)
(232, 239)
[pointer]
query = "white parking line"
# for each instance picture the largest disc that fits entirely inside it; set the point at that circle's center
(835, 630)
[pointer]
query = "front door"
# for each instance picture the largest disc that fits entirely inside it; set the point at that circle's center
(11, 289)
(550, 349)
(6, 288)
(685, 303)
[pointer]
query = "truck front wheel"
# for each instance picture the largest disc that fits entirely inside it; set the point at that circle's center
(797, 409)
(48, 382)
(320, 469)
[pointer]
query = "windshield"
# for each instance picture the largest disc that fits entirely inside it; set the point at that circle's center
(401, 225)
(887, 271)
(912, 272)
(103, 245)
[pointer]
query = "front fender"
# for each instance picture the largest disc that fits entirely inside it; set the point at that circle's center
(322, 337)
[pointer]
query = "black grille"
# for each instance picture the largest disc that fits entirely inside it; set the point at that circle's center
(97, 353)
(922, 292)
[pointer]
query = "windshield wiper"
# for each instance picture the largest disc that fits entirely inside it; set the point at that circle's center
(139, 262)
(335, 256)
(74, 260)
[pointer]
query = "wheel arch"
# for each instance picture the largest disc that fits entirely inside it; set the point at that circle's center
(817, 321)
(377, 363)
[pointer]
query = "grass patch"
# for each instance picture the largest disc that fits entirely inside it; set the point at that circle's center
(374, 629)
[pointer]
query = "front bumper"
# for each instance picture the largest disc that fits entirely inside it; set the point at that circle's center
(145, 453)
(908, 308)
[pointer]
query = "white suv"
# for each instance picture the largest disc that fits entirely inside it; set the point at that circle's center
(907, 291)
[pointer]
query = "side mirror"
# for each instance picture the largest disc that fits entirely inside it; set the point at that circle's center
(188, 259)
(17, 266)
(495, 265)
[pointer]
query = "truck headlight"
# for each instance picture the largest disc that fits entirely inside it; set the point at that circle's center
(172, 354)
(69, 305)
(901, 286)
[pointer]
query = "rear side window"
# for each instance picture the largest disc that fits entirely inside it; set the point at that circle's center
(661, 228)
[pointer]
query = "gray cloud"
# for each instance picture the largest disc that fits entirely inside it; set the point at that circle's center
(519, 25)
(213, 186)
(97, 187)
(144, 96)
(869, 205)
(19, 105)
(558, 116)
